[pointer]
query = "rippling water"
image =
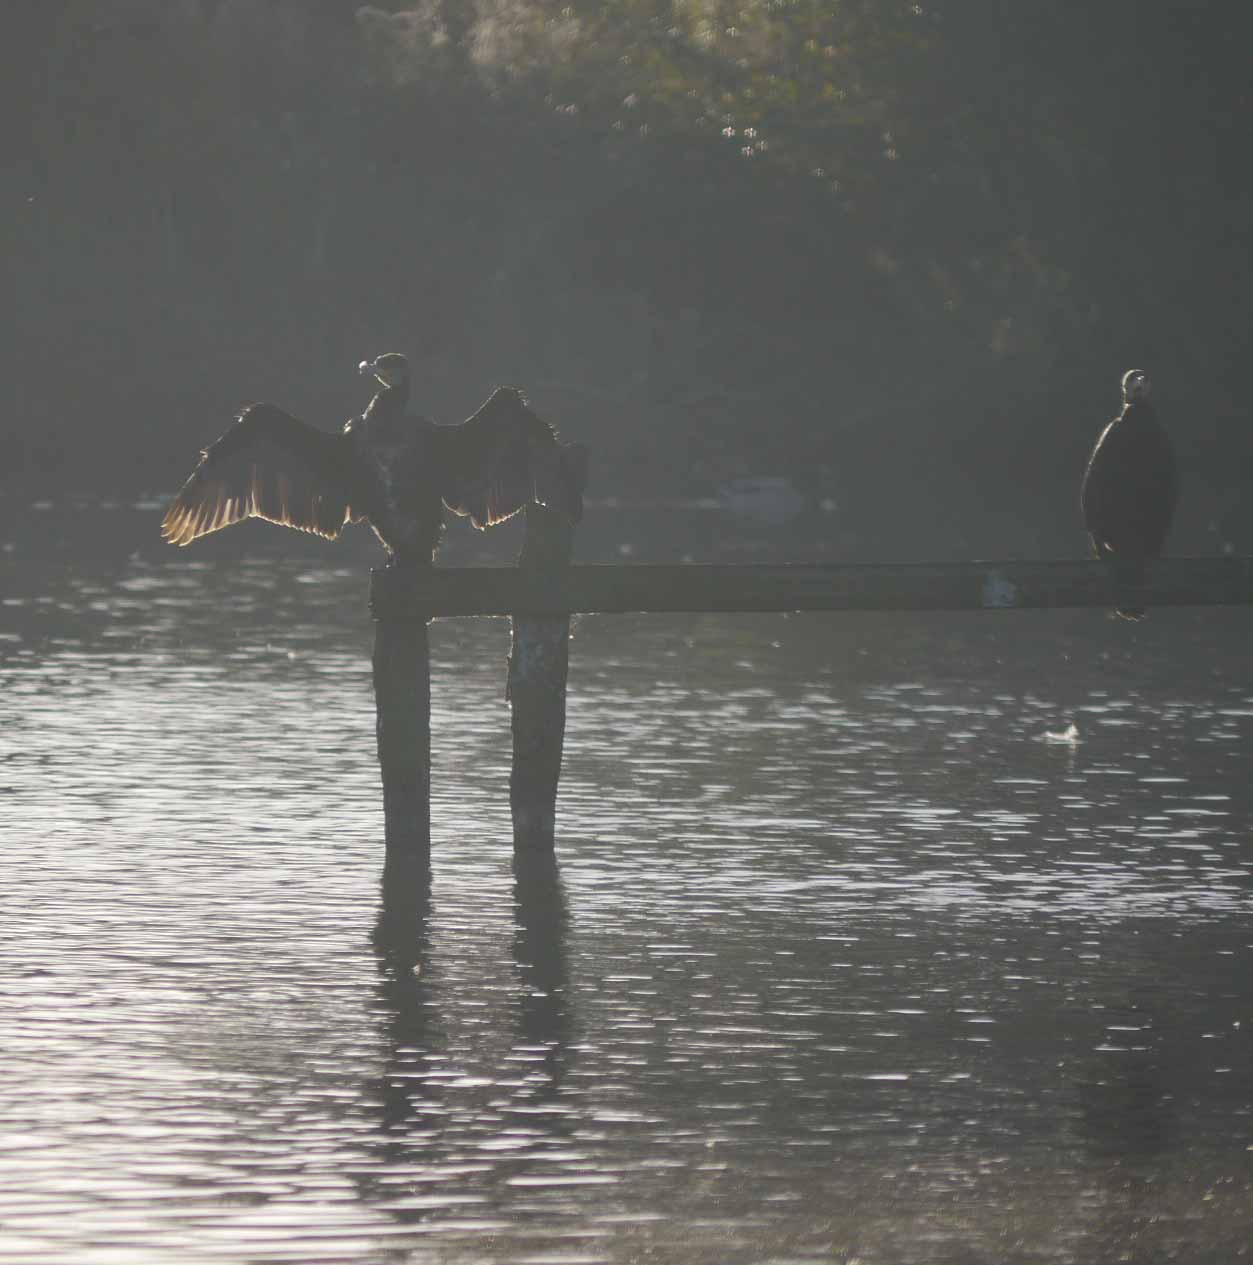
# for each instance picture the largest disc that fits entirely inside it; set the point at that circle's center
(881, 940)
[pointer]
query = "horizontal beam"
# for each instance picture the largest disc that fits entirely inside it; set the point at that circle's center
(418, 594)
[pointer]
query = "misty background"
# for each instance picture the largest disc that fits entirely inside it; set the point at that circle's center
(898, 253)
(899, 937)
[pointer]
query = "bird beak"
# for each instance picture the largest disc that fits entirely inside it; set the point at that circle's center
(365, 368)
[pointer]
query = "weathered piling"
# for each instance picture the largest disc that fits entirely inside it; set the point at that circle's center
(539, 660)
(402, 698)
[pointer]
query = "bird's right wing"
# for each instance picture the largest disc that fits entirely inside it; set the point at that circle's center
(268, 465)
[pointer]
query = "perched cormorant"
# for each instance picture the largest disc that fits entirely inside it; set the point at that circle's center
(1130, 487)
(389, 467)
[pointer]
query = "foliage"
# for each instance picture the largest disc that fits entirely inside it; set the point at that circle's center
(817, 84)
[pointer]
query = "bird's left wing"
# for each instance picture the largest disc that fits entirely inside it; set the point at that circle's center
(1099, 488)
(503, 458)
(268, 465)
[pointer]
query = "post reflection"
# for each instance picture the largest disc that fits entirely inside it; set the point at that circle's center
(1129, 1126)
(401, 944)
(539, 952)
(442, 1142)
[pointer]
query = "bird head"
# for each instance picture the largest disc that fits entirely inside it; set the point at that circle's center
(1135, 386)
(391, 369)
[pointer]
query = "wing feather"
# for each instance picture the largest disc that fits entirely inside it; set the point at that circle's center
(501, 459)
(268, 465)
(1097, 489)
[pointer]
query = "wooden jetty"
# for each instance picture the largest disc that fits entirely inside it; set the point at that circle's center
(543, 591)
(610, 589)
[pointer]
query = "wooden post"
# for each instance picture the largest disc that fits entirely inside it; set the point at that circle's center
(402, 700)
(539, 660)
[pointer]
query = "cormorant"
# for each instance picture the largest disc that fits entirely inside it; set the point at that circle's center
(388, 467)
(1130, 487)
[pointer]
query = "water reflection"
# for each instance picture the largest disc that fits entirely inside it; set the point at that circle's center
(1129, 1121)
(406, 1090)
(539, 954)
(516, 1119)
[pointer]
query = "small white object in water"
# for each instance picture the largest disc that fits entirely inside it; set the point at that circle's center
(1068, 736)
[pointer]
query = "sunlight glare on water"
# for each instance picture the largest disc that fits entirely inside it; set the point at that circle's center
(843, 960)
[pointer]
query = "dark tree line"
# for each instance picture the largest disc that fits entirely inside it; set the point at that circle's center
(831, 240)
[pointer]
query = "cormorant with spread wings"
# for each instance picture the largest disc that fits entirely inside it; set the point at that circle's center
(388, 467)
(1130, 487)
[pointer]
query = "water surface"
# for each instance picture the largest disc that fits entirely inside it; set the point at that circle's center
(854, 950)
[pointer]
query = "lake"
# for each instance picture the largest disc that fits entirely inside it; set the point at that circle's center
(880, 940)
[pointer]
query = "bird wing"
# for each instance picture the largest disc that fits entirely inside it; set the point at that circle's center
(1098, 490)
(497, 461)
(268, 465)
